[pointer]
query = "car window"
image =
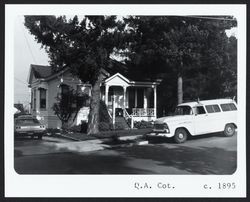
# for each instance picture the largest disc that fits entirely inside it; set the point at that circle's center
(200, 110)
(27, 121)
(183, 110)
(212, 108)
(232, 106)
(228, 107)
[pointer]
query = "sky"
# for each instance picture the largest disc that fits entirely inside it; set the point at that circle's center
(27, 51)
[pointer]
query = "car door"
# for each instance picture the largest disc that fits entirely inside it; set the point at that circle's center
(201, 118)
(215, 118)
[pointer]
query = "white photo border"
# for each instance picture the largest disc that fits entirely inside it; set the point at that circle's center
(17, 185)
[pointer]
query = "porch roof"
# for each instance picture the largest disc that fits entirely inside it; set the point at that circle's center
(120, 80)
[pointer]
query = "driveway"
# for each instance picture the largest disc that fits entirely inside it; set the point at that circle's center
(211, 154)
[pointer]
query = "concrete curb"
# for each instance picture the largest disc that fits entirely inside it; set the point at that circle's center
(67, 137)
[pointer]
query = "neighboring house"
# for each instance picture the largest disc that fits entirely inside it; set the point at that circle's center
(19, 107)
(18, 110)
(132, 98)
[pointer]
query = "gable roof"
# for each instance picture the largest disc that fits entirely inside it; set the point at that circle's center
(117, 75)
(19, 106)
(41, 71)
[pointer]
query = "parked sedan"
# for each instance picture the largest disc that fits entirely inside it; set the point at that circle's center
(27, 125)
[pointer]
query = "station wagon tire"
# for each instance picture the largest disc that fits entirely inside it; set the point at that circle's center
(229, 130)
(180, 136)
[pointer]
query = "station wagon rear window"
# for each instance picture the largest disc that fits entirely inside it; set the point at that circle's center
(212, 108)
(228, 107)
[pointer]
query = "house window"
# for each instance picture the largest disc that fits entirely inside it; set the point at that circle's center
(65, 94)
(64, 89)
(42, 98)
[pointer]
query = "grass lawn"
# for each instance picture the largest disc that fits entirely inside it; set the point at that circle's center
(105, 134)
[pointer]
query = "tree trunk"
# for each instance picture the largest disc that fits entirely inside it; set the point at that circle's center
(93, 119)
(179, 90)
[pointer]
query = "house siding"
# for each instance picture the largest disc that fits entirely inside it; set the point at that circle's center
(53, 90)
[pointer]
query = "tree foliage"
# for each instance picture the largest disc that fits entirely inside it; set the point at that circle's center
(83, 46)
(195, 49)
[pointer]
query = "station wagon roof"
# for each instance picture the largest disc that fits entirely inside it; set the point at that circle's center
(207, 102)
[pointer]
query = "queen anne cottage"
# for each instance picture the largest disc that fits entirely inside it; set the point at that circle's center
(130, 99)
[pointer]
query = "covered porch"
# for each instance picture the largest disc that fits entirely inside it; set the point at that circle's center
(130, 99)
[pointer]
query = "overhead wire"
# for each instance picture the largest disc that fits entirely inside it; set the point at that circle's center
(208, 18)
(20, 81)
(27, 42)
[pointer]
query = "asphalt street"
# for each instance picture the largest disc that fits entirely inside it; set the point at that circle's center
(210, 154)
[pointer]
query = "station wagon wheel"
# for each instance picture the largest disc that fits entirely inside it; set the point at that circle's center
(229, 130)
(180, 136)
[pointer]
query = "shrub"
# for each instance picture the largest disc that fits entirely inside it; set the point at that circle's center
(84, 127)
(75, 129)
(119, 126)
(105, 120)
(103, 113)
(104, 126)
(143, 124)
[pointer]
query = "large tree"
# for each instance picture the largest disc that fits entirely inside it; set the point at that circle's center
(173, 47)
(85, 47)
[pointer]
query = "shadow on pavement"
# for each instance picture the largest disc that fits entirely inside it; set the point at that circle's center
(160, 139)
(202, 160)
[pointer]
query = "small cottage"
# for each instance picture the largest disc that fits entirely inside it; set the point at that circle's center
(136, 99)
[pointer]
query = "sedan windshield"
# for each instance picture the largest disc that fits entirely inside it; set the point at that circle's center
(183, 110)
(27, 121)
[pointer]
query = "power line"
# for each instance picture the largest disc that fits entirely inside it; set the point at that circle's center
(27, 42)
(209, 18)
(20, 81)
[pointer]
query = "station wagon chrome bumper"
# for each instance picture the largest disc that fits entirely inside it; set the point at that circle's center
(160, 134)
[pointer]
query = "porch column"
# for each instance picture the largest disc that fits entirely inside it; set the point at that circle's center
(124, 96)
(155, 101)
(145, 99)
(106, 94)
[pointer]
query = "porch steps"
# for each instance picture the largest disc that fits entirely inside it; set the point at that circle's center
(121, 123)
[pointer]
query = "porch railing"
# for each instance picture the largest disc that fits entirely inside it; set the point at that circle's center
(143, 112)
(127, 117)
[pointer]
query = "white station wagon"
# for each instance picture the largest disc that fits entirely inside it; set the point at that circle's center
(197, 118)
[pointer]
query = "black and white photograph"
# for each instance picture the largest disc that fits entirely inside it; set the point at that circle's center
(149, 95)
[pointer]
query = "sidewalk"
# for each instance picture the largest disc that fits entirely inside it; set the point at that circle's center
(96, 144)
(102, 135)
